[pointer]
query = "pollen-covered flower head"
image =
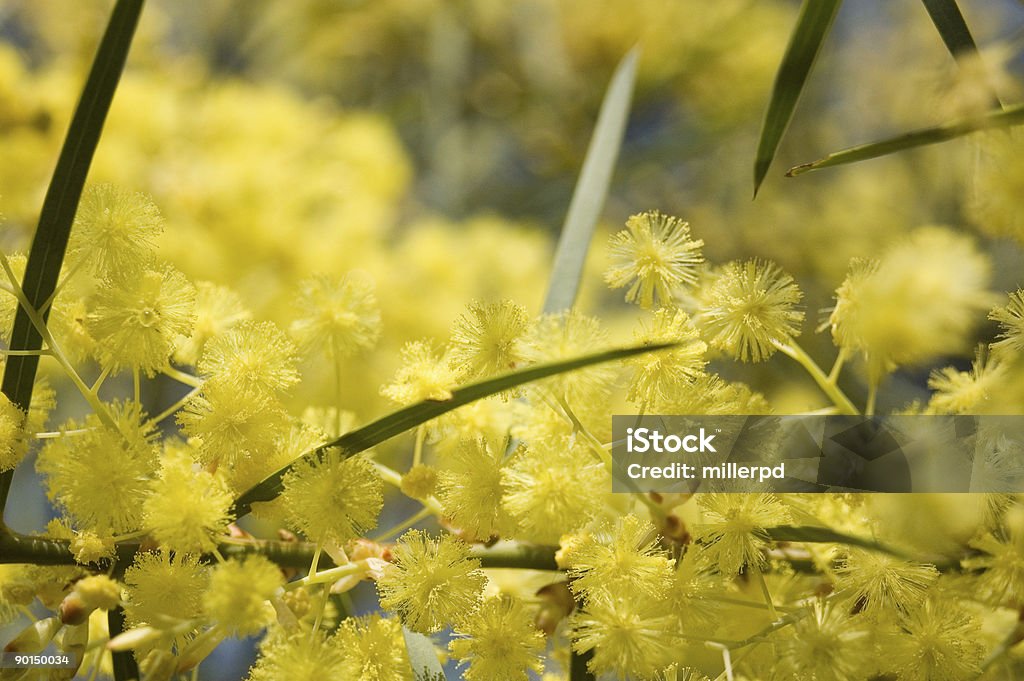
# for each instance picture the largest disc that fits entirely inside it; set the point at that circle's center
(499, 641)
(751, 308)
(632, 635)
(373, 648)
(233, 427)
(12, 434)
(218, 309)
(115, 230)
(253, 357)
(338, 317)
(425, 374)
(658, 374)
(333, 499)
(879, 583)
(968, 392)
(827, 645)
(471, 489)
(188, 507)
(1011, 324)
(299, 657)
(238, 593)
(1000, 562)
(653, 255)
(487, 339)
(553, 487)
(163, 589)
(137, 320)
(919, 301)
(432, 583)
(939, 641)
(419, 482)
(623, 557)
(100, 477)
(732, 534)
(711, 394)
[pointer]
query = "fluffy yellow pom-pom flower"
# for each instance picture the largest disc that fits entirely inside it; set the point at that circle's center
(552, 487)
(499, 642)
(660, 374)
(471, 490)
(752, 307)
(631, 635)
(621, 558)
(137, 320)
(218, 309)
(119, 461)
(300, 658)
(333, 499)
(337, 316)
(374, 649)
(733, 534)
(115, 230)
(253, 357)
(653, 255)
(488, 339)
(424, 375)
(238, 593)
(188, 506)
(163, 589)
(432, 582)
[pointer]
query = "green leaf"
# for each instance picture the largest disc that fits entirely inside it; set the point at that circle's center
(591, 188)
(823, 535)
(578, 666)
(812, 26)
(1002, 118)
(122, 661)
(58, 213)
(949, 21)
(409, 417)
(422, 657)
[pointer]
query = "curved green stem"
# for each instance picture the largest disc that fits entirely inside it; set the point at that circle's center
(837, 366)
(169, 411)
(182, 377)
(417, 452)
(837, 396)
(869, 408)
(419, 515)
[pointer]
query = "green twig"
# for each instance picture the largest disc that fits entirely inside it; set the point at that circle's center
(837, 396)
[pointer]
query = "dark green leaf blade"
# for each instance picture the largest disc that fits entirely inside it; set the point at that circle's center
(578, 666)
(952, 27)
(61, 202)
(824, 535)
(948, 19)
(405, 419)
(813, 24)
(1002, 118)
(591, 188)
(422, 657)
